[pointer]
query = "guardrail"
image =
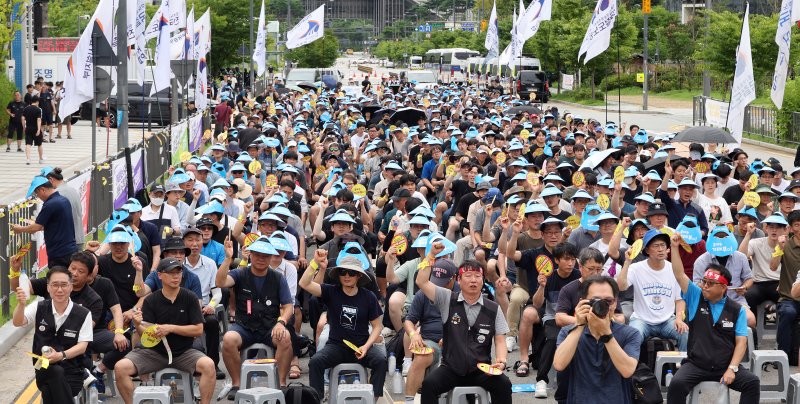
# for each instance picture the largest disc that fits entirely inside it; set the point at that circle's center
(103, 187)
(759, 121)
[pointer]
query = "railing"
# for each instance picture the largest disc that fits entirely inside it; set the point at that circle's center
(103, 187)
(759, 121)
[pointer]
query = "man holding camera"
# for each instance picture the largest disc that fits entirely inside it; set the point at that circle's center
(717, 337)
(580, 345)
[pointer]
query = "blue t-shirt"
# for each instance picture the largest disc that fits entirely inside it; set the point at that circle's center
(349, 316)
(284, 294)
(428, 169)
(215, 251)
(593, 377)
(151, 232)
(428, 315)
(188, 281)
(59, 230)
(692, 298)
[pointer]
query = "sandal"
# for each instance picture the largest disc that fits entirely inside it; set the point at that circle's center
(522, 369)
(295, 372)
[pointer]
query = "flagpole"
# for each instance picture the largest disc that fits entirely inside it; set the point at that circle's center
(94, 98)
(122, 75)
(730, 101)
(619, 85)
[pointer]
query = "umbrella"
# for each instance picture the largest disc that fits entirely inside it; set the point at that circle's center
(305, 85)
(330, 81)
(247, 136)
(409, 115)
(293, 87)
(282, 90)
(371, 108)
(379, 114)
(704, 134)
(655, 164)
(525, 108)
(597, 157)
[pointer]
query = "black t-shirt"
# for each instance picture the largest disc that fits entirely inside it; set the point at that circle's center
(465, 202)
(85, 297)
(561, 216)
(122, 276)
(31, 114)
(528, 263)
(349, 316)
(46, 100)
(16, 108)
(105, 289)
(185, 310)
(555, 283)
(27, 98)
(460, 188)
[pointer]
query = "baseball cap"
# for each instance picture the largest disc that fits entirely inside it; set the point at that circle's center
(442, 272)
(657, 208)
(168, 264)
(175, 243)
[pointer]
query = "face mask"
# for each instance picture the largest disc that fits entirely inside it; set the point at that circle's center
(157, 201)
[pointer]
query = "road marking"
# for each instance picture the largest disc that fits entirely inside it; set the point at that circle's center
(31, 394)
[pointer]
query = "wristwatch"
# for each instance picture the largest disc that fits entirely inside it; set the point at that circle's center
(63, 356)
(280, 320)
(734, 368)
(605, 338)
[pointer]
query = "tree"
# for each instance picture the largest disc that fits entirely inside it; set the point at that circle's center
(320, 53)
(63, 16)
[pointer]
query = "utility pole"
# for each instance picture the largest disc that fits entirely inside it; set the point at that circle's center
(706, 74)
(122, 74)
(252, 73)
(646, 12)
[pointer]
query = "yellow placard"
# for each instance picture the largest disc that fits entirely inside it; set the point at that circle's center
(753, 181)
(702, 167)
(544, 265)
(525, 134)
(500, 157)
(667, 231)
(400, 244)
(603, 201)
(262, 360)
(636, 248)
(573, 222)
(522, 212)
(359, 190)
(533, 178)
(249, 239)
(752, 199)
(619, 174)
(640, 77)
(489, 370)
(207, 134)
(41, 361)
(254, 166)
(450, 170)
(352, 346)
(578, 179)
(185, 156)
(149, 338)
(426, 350)
(271, 180)
(222, 136)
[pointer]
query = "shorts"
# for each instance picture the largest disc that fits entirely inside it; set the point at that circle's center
(250, 338)
(14, 127)
(437, 350)
(150, 360)
(47, 117)
(32, 140)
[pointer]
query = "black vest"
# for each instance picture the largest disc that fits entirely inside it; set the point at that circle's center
(265, 305)
(465, 346)
(711, 345)
(65, 338)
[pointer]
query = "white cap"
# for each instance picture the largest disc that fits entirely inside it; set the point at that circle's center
(291, 143)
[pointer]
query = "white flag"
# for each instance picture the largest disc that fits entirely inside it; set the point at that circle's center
(492, 41)
(188, 43)
(177, 14)
(744, 84)
(260, 52)
(783, 38)
(79, 77)
(795, 11)
(153, 28)
(202, 39)
(137, 18)
(163, 72)
(537, 11)
(309, 29)
(507, 57)
(598, 35)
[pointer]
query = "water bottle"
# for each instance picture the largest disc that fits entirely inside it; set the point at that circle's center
(397, 383)
(93, 395)
(173, 388)
(196, 388)
(668, 378)
(25, 284)
(722, 394)
(392, 362)
(46, 350)
(255, 380)
(357, 380)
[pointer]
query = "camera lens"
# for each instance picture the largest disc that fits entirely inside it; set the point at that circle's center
(600, 307)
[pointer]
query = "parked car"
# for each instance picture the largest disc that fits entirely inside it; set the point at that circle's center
(155, 108)
(531, 81)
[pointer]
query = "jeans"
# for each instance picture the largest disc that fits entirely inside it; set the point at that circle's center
(689, 375)
(787, 315)
(663, 330)
(336, 353)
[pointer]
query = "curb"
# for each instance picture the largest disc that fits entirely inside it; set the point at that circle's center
(596, 108)
(766, 145)
(10, 335)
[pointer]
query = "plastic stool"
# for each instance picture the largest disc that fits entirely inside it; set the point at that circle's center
(259, 395)
(222, 317)
(707, 387)
(250, 369)
(163, 376)
(793, 396)
(666, 357)
(459, 395)
(361, 392)
(81, 398)
(339, 369)
(751, 346)
(761, 322)
(262, 351)
(111, 382)
(155, 393)
(774, 391)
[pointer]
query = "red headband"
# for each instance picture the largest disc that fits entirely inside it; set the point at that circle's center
(715, 276)
(469, 268)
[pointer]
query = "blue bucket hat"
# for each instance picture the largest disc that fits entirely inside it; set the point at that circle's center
(652, 235)
(279, 241)
(353, 249)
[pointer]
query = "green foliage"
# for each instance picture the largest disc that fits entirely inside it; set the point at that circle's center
(63, 16)
(791, 104)
(7, 89)
(320, 53)
(582, 95)
(7, 27)
(278, 9)
(614, 82)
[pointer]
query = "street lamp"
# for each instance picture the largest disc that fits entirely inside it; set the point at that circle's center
(78, 19)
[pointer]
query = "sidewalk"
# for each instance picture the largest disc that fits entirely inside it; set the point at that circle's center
(70, 154)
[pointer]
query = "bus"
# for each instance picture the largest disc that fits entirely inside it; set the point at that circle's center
(454, 59)
(415, 62)
(480, 65)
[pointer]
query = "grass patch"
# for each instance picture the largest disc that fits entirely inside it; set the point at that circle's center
(771, 140)
(569, 96)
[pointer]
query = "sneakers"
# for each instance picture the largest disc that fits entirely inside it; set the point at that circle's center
(220, 374)
(88, 378)
(20, 150)
(42, 160)
(387, 333)
(8, 149)
(406, 367)
(100, 383)
(511, 343)
(28, 161)
(541, 389)
(232, 393)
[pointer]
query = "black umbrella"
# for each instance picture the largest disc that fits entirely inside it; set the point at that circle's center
(525, 108)
(247, 136)
(371, 108)
(380, 113)
(409, 115)
(282, 90)
(656, 164)
(704, 134)
(307, 86)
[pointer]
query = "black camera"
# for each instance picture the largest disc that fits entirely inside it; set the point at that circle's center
(599, 307)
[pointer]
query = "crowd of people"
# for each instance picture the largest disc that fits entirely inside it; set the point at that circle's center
(443, 227)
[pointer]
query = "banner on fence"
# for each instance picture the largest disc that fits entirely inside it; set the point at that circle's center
(567, 81)
(716, 113)
(179, 142)
(82, 183)
(119, 175)
(195, 132)
(137, 162)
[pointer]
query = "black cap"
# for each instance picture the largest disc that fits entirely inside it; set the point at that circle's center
(175, 243)
(168, 264)
(204, 221)
(401, 193)
(657, 208)
(792, 185)
(157, 188)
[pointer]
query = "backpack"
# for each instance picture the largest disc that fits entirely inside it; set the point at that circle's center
(650, 347)
(299, 393)
(645, 386)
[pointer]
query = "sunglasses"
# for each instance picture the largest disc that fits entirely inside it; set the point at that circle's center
(348, 272)
(708, 283)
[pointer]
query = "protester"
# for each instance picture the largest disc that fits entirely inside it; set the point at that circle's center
(54, 219)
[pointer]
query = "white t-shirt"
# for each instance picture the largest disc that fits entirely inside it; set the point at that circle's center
(603, 248)
(761, 253)
(170, 213)
(654, 292)
(718, 206)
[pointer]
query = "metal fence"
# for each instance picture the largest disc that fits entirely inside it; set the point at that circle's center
(759, 121)
(97, 185)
